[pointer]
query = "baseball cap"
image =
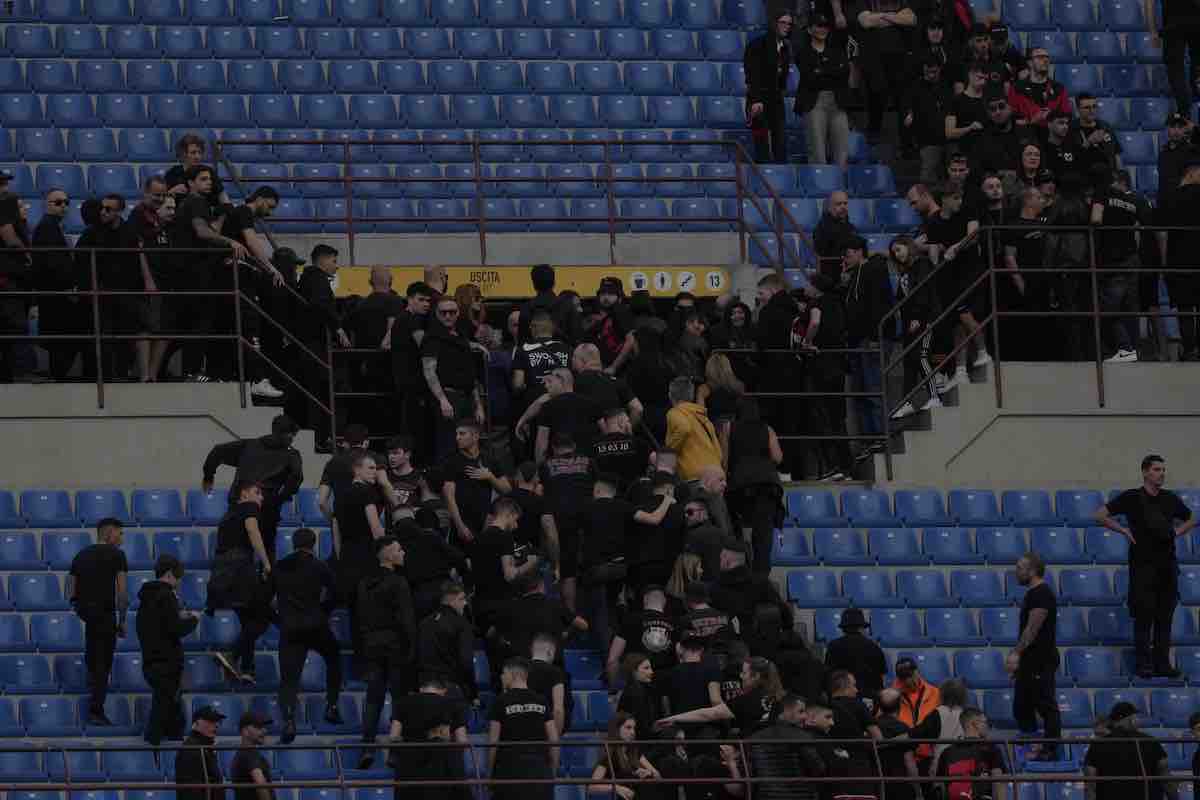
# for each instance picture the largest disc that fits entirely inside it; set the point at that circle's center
(208, 713)
(905, 667)
(1122, 710)
(256, 718)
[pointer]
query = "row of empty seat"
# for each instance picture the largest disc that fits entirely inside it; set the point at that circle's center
(694, 14)
(287, 43)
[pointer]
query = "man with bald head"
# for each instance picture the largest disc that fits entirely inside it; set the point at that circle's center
(898, 760)
(833, 229)
(370, 325)
(603, 389)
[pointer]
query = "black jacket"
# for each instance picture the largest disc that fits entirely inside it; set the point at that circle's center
(827, 70)
(786, 751)
(762, 613)
(52, 271)
(446, 648)
(427, 556)
(320, 313)
(868, 298)
(999, 149)
(929, 103)
(1171, 161)
(160, 629)
(774, 332)
(305, 591)
(269, 460)
(386, 614)
(766, 67)
(861, 656)
(199, 766)
(830, 234)
(924, 305)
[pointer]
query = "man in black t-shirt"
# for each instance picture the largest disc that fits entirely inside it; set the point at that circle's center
(618, 451)
(146, 225)
(532, 613)
(537, 532)
(96, 588)
(249, 766)
(974, 757)
(1034, 660)
(695, 682)
(567, 477)
(898, 758)
(652, 631)
(856, 652)
(408, 483)
(520, 714)
(1120, 207)
(371, 323)
(193, 229)
(494, 564)
(236, 583)
(612, 331)
(533, 360)
(408, 332)
(852, 720)
(468, 480)
(599, 385)
(1025, 254)
(418, 718)
(1142, 757)
(1151, 511)
(550, 680)
(451, 370)
(191, 150)
(563, 410)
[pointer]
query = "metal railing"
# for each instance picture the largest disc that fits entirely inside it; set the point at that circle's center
(475, 758)
(780, 223)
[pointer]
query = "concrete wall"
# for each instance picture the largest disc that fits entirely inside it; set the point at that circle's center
(1052, 432)
(155, 435)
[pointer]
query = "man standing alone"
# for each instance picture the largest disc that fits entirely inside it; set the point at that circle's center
(767, 62)
(1153, 568)
(1035, 658)
(96, 588)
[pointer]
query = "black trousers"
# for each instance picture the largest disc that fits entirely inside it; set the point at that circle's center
(388, 670)
(254, 622)
(99, 644)
(294, 647)
(1176, 47)
(1033, 697)
(166, 711)
(760, 507)
(194, 315)
(1153, 596)
(828, 414)
(769, 130)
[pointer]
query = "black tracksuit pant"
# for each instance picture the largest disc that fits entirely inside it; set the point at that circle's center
(166, 711)
(388, 670)
(100, 643)
(293, 650)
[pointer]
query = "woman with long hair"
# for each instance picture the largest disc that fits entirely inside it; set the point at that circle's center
(621, 760)
(753, 709)
(639, 698)
(722, 390)
(1027, 171)
(689, 568)
(472, 316)
(917, 315)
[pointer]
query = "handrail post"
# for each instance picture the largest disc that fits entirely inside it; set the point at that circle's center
(612, 205)
(237, 329)
(741, 218)
(479, 202)
(96, 331)
(348, 182)
(332, 388)
(991, 237)
(885, 410)
(1100, 399)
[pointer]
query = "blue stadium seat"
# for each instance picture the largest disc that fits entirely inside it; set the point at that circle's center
(1001, 545)
(324, 111)
(101, 76)
(950, 546)
(868, 507)
(131, 765)
(94, 505)
(452, 76)
(581, 151)
(998, 706)
(1070, 15)
(302, 76)
(13, 636)
(872, 181)
(1137, 147)
(523, 111)
(424, 111)
(380, 43)
(1094, 666)
(827, 623)
(307, 12)
(48, 508)
(1183, 627)
(30, 41)
(59, 548)
(574, 44)
(1000, 625)
(526, 44)
(26, 674)
(813, 589)
(1101, 47)
(899, 628)
(400, 77)
(305, 764)
(1027, 508)
(599, 13)
(679, 187)
(1089, 587)
(744, 14)
(502, 14)
(649, 14)
(190, 547)
(406, 13)
(181, 41)
(10, 724)
(202, 674)
(1149, 113)
(1072, 626)
(648, 78)
(173, 110)
(22, 184)
(81, 41)
(924, 588)
(112, 179)
(430, 185)
(696, 14)
(896, 546)
(61, 11)
(1076, 708)
(159, 12)
(319, 188)
(193, 591)
(592, 213)
(234, 42)
(597, 78)
(674, 45)
(203, 76)
(1105, 546)
(50, 716)
(350, 711)
(973, 507)
(1110, 625)
(252, 76)
(1172, 707)
(501, 77)
(804, 213)
(669, 112)
(781, 178)
(280, 41)
(84, 766)
(1059, 545)
(868, 588)
(814, 508)
(819, 181)
(1027, 14)
(536, 209)
(722, 112)
(749, 214)
(474, 111)
(71, 111)
(1079, 78)
(985, 668)
(209, 12)
(722, 46)
(1077, 506)
(19, 551)
(1127, 79)
(56, 633)
(138, 552)
(207, 508)
(135, 41)
(951, 627)
(585, 668)
(791, 549)
(453, 13)
(9, 516)
(331, 43)
(150, 77)
(1122, 15)
(445, 215)
(12, 77)
(623, 44)
(978, 587)
(468, 187)
(520, 180)
(1107, 698)
(1141, 48)
(933, 664)
(1056, 43)
(550, 13)
(895, 216)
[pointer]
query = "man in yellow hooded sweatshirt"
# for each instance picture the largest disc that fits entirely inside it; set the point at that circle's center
(691, 435)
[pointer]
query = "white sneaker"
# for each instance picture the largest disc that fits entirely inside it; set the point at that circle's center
(264, 389)
(903, 411)
(1123, 357)
(961, 378)
(933, 402)
(941, 384)
(982, 359)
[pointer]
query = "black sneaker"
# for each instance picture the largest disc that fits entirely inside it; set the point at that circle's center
(333, 715)
(247, 678)
(98, 719)
(1145, 672)
(367, 759)
(289, 732)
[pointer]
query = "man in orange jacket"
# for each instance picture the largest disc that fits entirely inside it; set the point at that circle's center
(918, 699)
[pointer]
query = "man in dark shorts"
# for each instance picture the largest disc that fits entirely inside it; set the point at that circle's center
(96, 588)
(1034, 660)
(249, 766)
(1151, 513)
(238, 583)
(520, 714)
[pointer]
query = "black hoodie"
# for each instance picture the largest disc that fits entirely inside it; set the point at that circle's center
(754, 600)
(160, 629)
(199, 765)
(268, 460)
(924, 305)
(868, 298)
